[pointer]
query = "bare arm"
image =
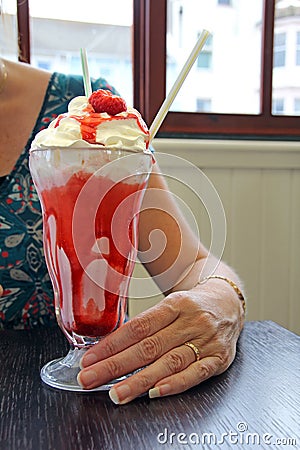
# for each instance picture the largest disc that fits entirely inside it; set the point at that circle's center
(164, 231)
(167, 246)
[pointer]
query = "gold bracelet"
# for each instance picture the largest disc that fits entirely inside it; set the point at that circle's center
(232, 284)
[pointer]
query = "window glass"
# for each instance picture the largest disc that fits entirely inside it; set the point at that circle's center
(298, 49)
(204, 59)
(279, 49)
(8, 30)
(297, 106)
(203, 105)
(227, 72)
(286, 58)
(278, 105)
(60, 28)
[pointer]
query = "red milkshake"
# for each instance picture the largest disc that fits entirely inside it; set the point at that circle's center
(90, 169)
(92, 304)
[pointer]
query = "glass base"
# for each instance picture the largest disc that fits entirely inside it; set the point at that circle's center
(62, 373)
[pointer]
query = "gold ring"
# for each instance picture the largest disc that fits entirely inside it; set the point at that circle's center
(195, 349)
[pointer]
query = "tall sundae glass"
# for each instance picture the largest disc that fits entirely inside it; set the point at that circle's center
(91, 190)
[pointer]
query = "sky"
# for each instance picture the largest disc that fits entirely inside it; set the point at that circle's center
(117, 12)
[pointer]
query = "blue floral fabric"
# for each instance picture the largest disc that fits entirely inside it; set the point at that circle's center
(27, 300)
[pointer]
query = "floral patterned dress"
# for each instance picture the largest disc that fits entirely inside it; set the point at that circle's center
(27, 299)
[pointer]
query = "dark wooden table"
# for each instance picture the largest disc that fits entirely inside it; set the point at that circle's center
(254, 405)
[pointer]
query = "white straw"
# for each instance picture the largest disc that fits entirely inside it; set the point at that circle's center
(85, 71)
(177, 85)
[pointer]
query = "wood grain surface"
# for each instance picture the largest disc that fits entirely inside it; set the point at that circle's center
(255, 404)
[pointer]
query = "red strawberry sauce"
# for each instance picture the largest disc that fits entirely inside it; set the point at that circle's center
(90, 122)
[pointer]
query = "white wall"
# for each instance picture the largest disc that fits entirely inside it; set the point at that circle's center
(259, 185)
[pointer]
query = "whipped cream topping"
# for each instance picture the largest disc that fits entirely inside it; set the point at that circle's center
(82, 127)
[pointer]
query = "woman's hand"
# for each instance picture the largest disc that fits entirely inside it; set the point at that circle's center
(210, 316)
(1, 290)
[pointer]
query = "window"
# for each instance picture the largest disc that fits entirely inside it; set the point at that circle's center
(9, 33)
(228, 68)
(279, 49)
(153, 53)
(278, 106)
(224, 2)
(261, 122)
(298, 48)
(204, 60)
(59, 29)
(297, 106)
(44, 65)
(203, 105)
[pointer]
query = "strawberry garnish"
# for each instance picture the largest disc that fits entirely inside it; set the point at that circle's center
(104, 101)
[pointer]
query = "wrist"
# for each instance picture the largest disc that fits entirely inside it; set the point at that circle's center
(223, 286)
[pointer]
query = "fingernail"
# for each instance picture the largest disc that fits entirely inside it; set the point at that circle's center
(159, 391)
(88, 360)
(120, 395)
(86, 378)
(154, 392)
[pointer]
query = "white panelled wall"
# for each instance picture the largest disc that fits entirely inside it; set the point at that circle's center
(259, 186)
